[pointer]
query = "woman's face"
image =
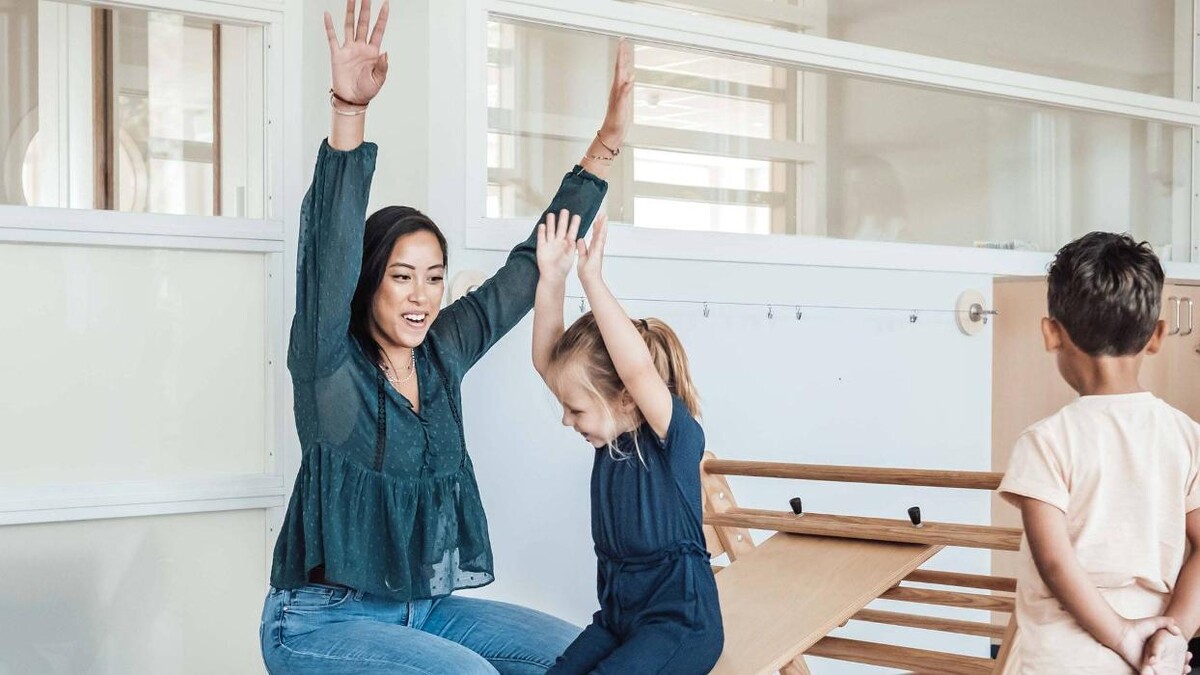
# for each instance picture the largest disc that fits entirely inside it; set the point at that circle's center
(410, 295)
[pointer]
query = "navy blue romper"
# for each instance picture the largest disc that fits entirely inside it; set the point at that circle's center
(658, 599)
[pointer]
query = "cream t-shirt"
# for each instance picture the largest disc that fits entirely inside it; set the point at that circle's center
(1123, 468)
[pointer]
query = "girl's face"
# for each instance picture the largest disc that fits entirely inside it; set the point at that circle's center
(587, 415)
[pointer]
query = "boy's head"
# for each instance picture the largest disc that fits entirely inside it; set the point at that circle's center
(1104, 297)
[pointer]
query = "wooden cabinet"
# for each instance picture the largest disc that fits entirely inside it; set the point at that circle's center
(1180, 367)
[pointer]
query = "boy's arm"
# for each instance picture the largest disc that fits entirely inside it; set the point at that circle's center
(1050, 545)
(1185, 600)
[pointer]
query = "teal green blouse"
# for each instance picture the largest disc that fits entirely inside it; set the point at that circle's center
(386, 498)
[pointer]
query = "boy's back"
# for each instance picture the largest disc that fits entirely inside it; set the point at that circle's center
(1123, 469)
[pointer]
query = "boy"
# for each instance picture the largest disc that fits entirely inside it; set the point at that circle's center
(1107, 486)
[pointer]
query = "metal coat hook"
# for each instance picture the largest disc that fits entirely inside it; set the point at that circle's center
(582, 305)
(799, 314)
(912, 318)
(976, 312)
(706, 310)
(770, 312)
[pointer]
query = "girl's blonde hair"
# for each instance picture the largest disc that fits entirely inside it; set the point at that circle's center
(582, 347)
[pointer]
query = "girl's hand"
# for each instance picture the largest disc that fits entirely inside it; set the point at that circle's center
(556, 245)
(591, 258)
(359, 70)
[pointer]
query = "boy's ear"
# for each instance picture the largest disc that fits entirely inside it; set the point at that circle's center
(1157, 337)
(1052, 334)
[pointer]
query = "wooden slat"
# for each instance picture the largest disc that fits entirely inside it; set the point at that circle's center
(712, 541)
(989, 630)
(982, 581)
(104, 146)
(1008, 645)
(718, 498)
(876, 529)
(921, 660)
(796, 667)
(925, 596)
(970, 480)
(789, 592)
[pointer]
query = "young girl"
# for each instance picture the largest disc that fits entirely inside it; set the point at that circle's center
(624, 386)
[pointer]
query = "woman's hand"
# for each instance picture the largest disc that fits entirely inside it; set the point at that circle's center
(619, 116)
(359, 70)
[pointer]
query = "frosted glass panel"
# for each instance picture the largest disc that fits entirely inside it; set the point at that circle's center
(1141, 46)
(727, 144)
(168, 595)
(130, 364)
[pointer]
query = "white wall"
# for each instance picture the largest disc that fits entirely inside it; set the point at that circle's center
(164, 595)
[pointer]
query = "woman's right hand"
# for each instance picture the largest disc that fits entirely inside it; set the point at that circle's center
(359, 70)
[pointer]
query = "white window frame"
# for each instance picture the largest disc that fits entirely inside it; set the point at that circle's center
(460, 173)
(42, 503)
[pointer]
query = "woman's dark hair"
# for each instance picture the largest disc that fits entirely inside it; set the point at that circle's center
(384, 228)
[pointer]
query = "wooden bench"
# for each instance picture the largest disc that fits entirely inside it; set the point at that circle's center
(781, 599)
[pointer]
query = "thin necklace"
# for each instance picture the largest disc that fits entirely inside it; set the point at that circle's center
(389, 370)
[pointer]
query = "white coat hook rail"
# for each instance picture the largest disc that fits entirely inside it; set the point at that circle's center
(974, 313)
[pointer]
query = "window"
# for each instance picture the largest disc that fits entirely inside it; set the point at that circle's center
(726, 142)
(1068, 39)
(719, 143)
(131, 110)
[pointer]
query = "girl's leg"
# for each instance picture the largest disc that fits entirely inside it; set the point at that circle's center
(665, 648)
(587, 651)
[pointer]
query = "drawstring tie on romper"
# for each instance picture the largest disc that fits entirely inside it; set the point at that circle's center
(612, 567)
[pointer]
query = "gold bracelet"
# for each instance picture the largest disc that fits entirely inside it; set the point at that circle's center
(343, 113)
(614, 153)
(332, 104)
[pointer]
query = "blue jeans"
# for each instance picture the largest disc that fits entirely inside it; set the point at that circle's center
(339, 631)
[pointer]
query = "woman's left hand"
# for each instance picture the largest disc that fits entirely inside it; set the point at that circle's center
(619, 117)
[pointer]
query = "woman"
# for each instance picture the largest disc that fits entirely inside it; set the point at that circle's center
(385, 521)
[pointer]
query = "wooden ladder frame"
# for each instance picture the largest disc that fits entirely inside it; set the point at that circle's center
(780, 599)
